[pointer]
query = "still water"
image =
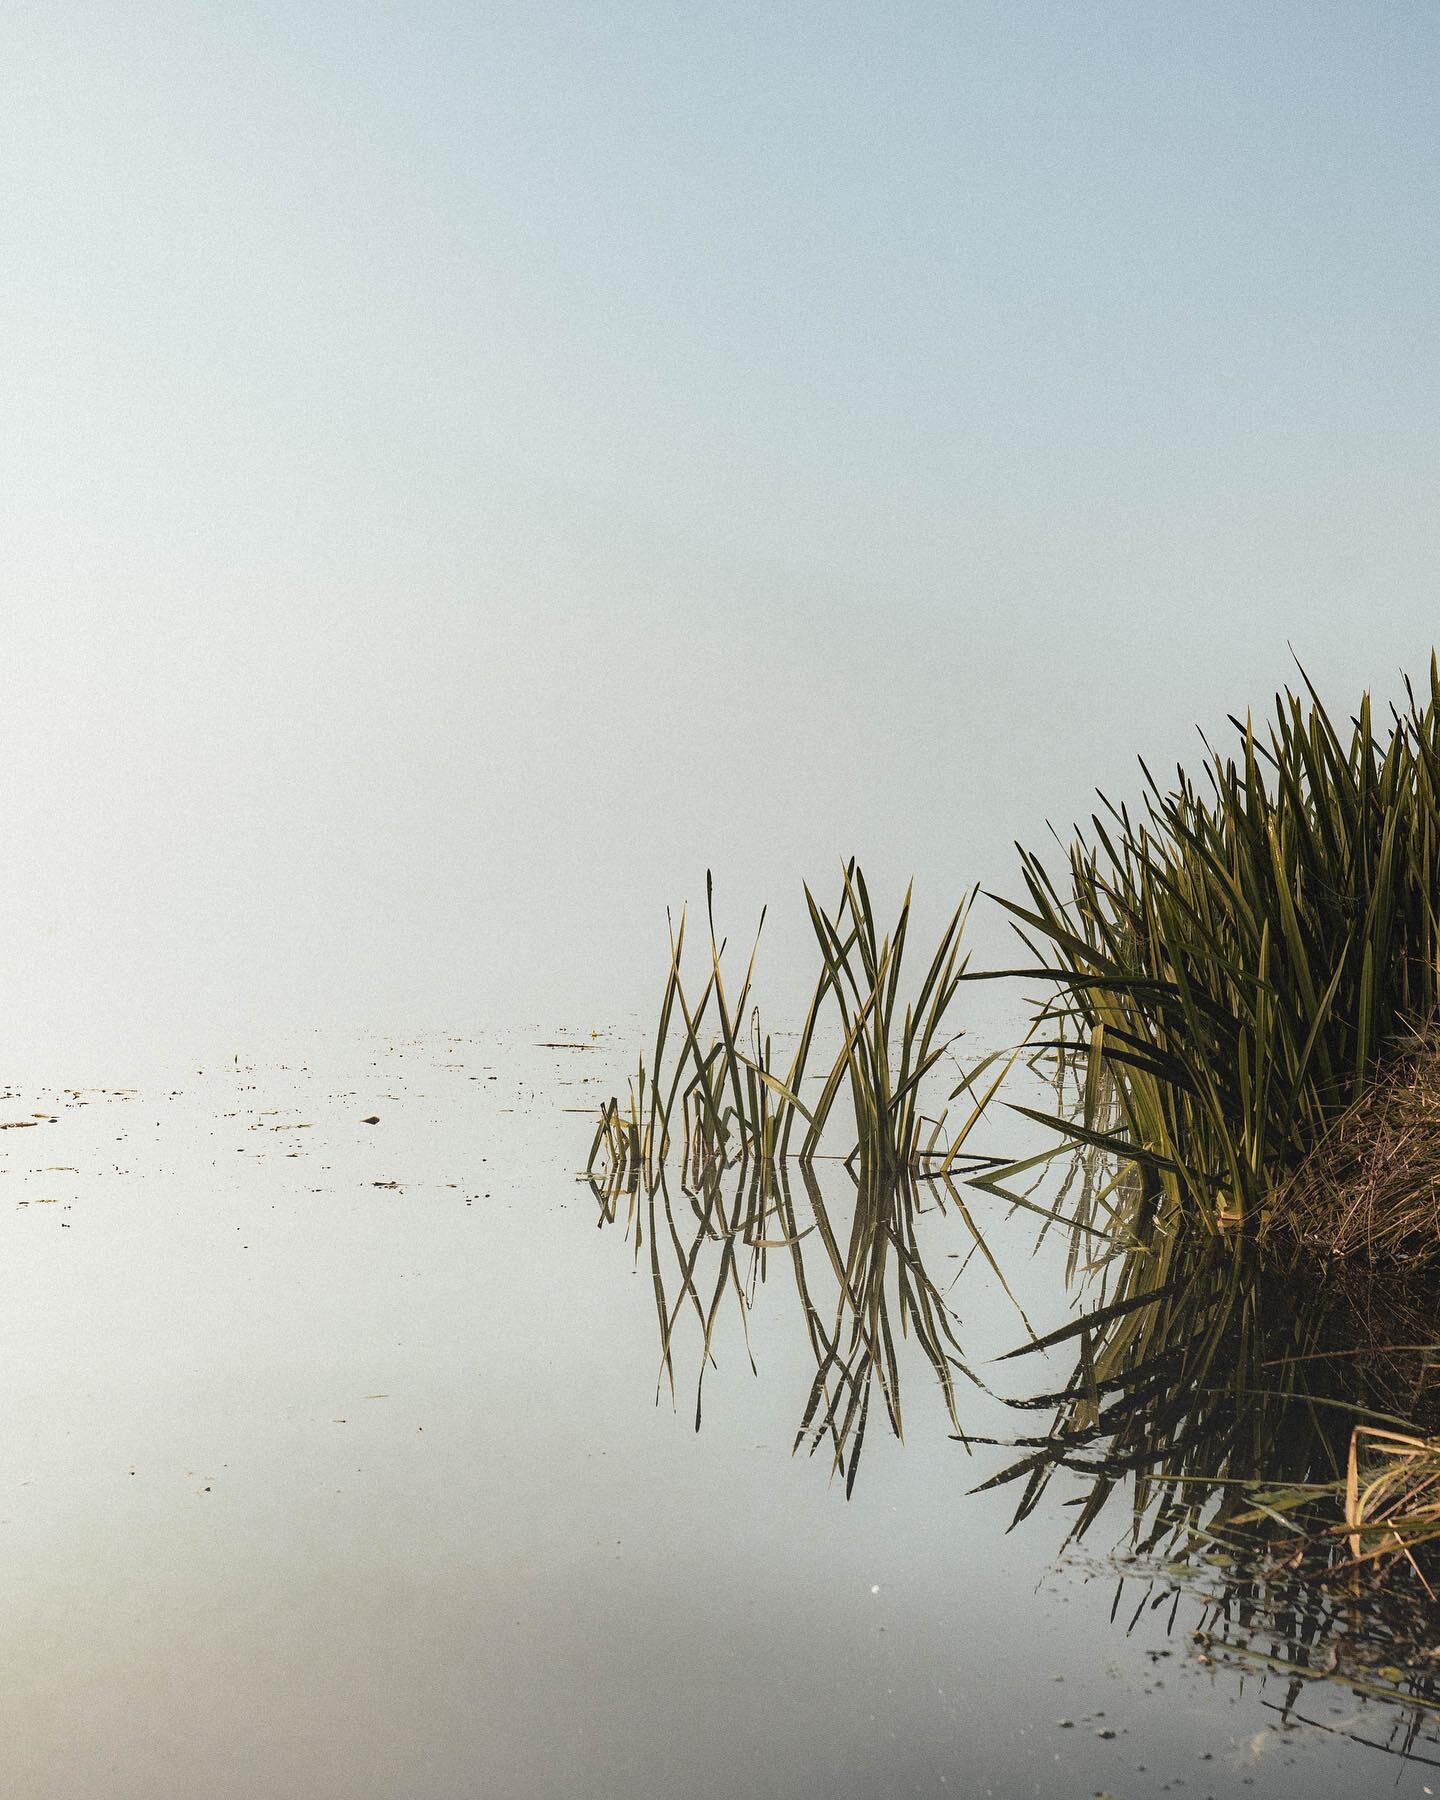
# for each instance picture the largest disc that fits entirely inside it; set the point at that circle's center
(344, 1459)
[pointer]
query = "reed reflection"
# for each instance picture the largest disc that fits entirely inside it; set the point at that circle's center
(853, 1253)
(1270, 1436)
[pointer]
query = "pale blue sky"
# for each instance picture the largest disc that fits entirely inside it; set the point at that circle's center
(470, 467)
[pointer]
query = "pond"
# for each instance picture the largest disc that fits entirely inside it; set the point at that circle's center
(356, 1447)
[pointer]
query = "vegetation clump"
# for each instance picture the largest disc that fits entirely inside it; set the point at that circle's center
(1245, 988)
(1238, 963)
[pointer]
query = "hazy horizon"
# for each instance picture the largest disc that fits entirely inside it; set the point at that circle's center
(473, 469)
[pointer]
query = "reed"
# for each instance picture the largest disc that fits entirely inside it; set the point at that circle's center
(1235, 963)
(716, 1089)
(700, 1093)
(1392, 1495)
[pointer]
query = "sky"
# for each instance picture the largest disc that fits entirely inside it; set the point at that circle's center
(469, 469)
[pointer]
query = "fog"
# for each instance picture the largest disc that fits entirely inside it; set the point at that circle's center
(469, 470)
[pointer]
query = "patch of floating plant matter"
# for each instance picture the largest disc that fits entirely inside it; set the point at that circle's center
(1243, 1611)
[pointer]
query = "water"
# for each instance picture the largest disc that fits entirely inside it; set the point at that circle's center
(341, 1462)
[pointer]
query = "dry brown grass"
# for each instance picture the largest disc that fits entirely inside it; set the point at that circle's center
(1392, 1495)
(1371, 1187)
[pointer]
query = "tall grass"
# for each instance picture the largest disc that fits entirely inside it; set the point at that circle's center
(1235, 961)
(716, 1089)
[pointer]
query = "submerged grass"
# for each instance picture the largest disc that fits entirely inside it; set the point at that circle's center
(1272, 1442)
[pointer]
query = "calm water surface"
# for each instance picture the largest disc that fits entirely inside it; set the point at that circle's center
(341, 1462)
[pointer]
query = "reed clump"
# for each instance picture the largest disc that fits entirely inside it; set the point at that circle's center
(1236, 963)
(717, 1090)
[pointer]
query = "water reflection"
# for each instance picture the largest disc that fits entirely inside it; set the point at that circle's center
(1214, 1392)
(855, 1258)
(1314, 1630)
(1203, 1369)
(1204, 1406)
